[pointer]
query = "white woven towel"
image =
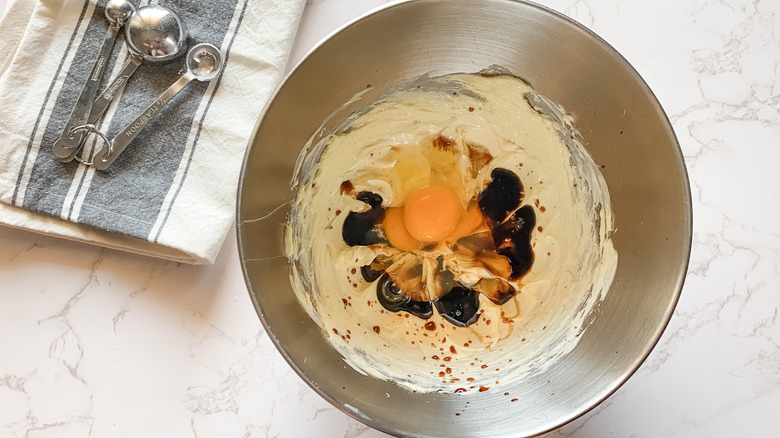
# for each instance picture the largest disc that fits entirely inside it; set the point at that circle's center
(171, 193)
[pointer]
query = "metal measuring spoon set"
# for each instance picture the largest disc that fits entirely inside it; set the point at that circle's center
(153, 34)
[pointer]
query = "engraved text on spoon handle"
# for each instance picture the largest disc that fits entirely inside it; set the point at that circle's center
(126, 135)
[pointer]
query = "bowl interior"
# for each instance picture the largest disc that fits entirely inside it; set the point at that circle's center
(624, 129)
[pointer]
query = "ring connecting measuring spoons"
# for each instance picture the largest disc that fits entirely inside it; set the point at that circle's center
(153, 34)
(204, 62)
(117, 13)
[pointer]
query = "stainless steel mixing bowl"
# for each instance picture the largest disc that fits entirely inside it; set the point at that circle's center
(624, 128)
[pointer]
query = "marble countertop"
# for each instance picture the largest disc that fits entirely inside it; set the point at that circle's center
(102, 343)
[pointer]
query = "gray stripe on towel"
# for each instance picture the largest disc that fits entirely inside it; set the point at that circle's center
(50, 180)
(43, 108)
(200, 125)
(127, 198)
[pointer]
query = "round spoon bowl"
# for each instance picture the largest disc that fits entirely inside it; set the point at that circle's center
(119, 11)
(204, 62)
(155, 33)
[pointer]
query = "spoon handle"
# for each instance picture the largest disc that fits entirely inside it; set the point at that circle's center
(101, 104)
(111, 151)
(67, 144)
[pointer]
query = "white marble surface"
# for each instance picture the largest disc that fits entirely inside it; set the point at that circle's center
(101, 343)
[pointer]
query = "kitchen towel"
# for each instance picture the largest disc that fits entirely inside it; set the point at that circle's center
(172, 192)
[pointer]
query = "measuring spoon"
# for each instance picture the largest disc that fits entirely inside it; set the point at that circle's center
(153, 34)
(204, 63)
(117, 12)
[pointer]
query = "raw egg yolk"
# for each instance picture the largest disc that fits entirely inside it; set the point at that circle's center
(432, 213)
(396, 231)
(470, 221)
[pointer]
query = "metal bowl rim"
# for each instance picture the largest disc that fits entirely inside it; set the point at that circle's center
(686, 192)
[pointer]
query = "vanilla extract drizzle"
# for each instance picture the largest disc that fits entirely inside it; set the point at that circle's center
(510, 228)
(360, 227)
